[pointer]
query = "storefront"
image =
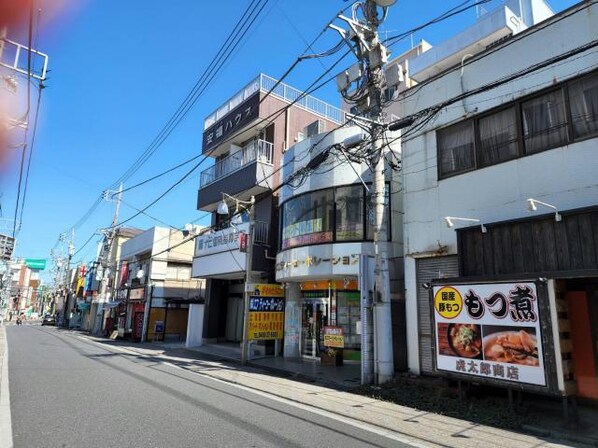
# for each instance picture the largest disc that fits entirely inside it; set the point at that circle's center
(560, 256)
(326, 303)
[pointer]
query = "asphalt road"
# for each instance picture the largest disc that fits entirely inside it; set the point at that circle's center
(66, 391)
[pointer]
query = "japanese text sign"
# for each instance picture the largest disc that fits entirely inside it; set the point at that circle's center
(266, 312)
(489, 330)
(334, 337)
(232, 122)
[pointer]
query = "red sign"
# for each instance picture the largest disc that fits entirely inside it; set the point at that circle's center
(243, 241)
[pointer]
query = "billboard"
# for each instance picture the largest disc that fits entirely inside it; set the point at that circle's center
(489, 330)
(266, 312)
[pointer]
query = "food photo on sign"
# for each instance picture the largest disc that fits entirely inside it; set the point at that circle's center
(489, 330)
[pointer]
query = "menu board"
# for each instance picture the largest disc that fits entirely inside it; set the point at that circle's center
(489, 330)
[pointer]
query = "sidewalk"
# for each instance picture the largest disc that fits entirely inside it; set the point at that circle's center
(418, 427)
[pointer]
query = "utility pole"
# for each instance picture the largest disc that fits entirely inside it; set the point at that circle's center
(248, 283)
(363, 39)
(111, 237)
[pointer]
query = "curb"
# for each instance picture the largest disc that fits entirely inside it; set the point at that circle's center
(559, 435)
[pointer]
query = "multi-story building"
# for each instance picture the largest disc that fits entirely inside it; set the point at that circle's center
(247, 136)
(105, 279)
(156, 286)
(500, 203)
(327, 255)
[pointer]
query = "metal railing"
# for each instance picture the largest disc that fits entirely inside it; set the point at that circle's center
(257, 150)
(283, 91)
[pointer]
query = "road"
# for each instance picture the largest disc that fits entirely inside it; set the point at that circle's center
(67, 391)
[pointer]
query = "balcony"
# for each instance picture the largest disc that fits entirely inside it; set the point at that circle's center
(252, 167)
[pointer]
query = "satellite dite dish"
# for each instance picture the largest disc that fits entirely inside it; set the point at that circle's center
(140, 274)
(385, 3)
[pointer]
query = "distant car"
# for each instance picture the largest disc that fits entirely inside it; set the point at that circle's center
(49, 320)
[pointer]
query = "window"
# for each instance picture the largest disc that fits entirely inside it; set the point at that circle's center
(455, 148)
(343, 213)
(349, 213)
(307, 219)
(583, 97)
(498, 137)
(175, 272)
(544, 122)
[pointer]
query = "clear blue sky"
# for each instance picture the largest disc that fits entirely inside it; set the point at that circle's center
(119, 68)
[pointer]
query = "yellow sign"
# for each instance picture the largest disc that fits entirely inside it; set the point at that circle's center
(266, 325)
(268, 290)
(448, 302)
(334, 337)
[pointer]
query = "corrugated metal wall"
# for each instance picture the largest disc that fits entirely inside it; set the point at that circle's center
(429, 269)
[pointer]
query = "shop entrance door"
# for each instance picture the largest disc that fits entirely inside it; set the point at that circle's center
(314, 318)
(583, 316)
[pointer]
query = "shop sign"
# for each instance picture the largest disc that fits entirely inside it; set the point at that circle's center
(223, 240)
(266, 313)
(305, 232)
(137, 294)
(159, 326)
(244, 113)
(344, 260)
(333, 337)
(268, 290)
(121, 294)
(489, 330)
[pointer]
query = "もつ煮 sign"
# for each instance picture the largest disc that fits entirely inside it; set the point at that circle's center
(489, 330)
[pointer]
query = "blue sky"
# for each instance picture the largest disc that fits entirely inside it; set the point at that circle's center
(119, 69)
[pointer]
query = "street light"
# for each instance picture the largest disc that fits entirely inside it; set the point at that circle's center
(223, 210)
(531, 206)
(450, 222)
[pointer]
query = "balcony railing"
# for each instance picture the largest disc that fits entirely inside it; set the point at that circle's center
(259, 150)
(283, 91)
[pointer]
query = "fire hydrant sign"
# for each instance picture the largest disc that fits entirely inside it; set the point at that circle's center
(266, 313)
(334, 337)
(489, 330)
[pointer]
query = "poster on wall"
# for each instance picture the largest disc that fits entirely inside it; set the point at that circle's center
(266, 312)
(489, 330)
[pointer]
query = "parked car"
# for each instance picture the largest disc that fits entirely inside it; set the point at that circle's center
(49, 320)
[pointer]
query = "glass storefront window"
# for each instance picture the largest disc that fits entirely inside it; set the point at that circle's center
(349, 213)
(307, 219)
(336, 214)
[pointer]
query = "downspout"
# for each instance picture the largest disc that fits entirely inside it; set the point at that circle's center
(465, 111)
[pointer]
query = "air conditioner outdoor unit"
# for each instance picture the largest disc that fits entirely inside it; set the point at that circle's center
(315, 128)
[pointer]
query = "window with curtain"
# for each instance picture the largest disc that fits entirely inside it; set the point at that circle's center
(349, 213)
(544, 122)
(498, 137)
(583, 100)
(456, 148)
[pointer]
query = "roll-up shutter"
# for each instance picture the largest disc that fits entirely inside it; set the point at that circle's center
(429, 269)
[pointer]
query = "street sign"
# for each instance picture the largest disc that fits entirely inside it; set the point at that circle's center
(36, 263)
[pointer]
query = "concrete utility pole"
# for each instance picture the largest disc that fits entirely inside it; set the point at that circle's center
(248, 283)
(372, 55)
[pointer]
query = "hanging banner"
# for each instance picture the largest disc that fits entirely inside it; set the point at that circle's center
(266, 312)
(489, 330)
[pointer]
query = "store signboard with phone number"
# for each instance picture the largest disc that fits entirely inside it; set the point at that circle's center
(489, 330)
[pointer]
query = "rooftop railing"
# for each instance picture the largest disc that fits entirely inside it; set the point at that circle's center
(265, 83)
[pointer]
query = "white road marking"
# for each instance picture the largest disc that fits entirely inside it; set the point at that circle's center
(5, 417)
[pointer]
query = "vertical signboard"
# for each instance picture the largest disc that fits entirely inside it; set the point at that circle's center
(489, 330)
(266, 312)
